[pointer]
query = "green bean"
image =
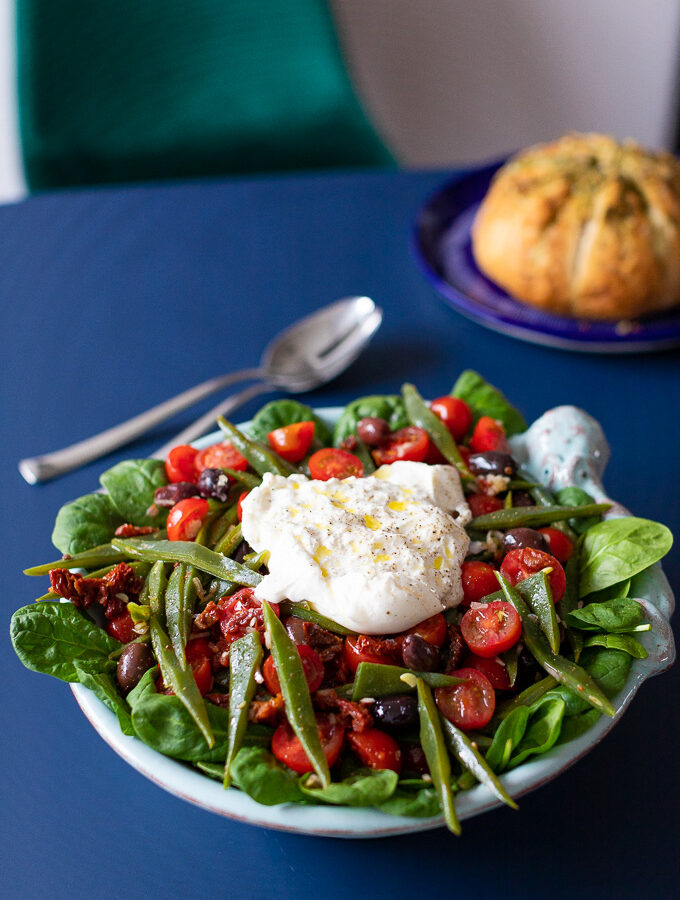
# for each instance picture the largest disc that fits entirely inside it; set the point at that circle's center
(538, 595)
(432, 742)
(569, 601)
(180, 599)
(531, 516)
(153, 591)
(564, 670)
(421, 415)
(379, 680)
(543, 497)
(471, 759)
(527, 697)
(230, 540)
(259, 457)
(299, 709)
(245, 656)
(247, 479)
(302, 611)
(95, 558)
(511, 660)
(202, 558)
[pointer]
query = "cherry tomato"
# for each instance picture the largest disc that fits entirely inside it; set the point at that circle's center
(241, 613)
(185, 518)
(433, 630)
(455, 414)
(363, 648)
(470, 705)
(292, 441)
(560, 545)
(287, 748)
(493, 667)
(122, 628)
(488, 434)
(479, 580)
(410, 443)
(199, 656)
(180, 464)
(491, 628)
(221, 456)
(311, 665)
(526, 561)
(332, 462)
(481, 504)
(239, 505)
(376, 749)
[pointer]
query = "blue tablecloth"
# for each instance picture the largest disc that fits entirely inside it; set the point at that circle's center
(113, 300)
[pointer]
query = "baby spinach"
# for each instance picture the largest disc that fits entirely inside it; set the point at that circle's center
(131, 485)
(256, 772)
(613, 616)
(280, 413)
(486, 400)
(508, 735)
(575, 726)
(386, 406)
(609, 668)
(625, 642)
(145, 685)
(164, 723)
(365, 787)
(617, 549)
(542, 732)
(53, 637)
(104, 688)
(421, 804)
(84, 523)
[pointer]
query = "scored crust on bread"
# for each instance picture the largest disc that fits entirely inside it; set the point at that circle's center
(584, 226)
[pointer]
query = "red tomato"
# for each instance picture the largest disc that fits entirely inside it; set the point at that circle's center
(241, 613)
(488, 435)
(363, 648)
(239, 505)
(287, 748)
(121, 628)
(376, 749)
(221, 456)
(311, 664)
(199, 656)
(560, 545)
(493, 667)
(479, 580)
(180, 464)
(332, 462)
(470, 705)
(492, 628)
(292, 441)
(185, 518)
(433, 630)
(481, 504)
(410, 443)
(455, 414)
(522, 563)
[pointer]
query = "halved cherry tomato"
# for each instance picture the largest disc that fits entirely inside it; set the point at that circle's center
(376, 749)
(479, 580)
(311, 665)
(332, 462)
(491, 628)
(186, 517)
(410, 443)
(199, 658)
(292, 442)
(433, 630)
(239, 505)
(481, 504)
(364, 648)
(455, 414)
(470, 705)
(493, 667)
(560, 545)
(526, 561)
(220, 456)
(241, 613)
(122, 628)
(488, 434)
(287, 748)
(180, 464)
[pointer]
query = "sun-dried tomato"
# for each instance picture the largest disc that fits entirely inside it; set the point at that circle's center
(351, 715)
(127, 530)
(112, 591)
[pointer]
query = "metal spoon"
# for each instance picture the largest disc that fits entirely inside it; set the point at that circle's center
(305, 355)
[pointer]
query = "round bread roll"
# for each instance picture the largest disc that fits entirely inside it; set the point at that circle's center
(585, 227)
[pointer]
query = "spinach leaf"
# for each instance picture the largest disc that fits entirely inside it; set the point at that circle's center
(613, 592)
(387, 406)
(145, 685)
(576, 496)
(84, 523)
(256, 772)
(104, 688)
(508, 735)
(365, 787)
(617, 549)
(131, 485)
(50, 637)
(212, 770)
(486, 400)
(620, 615)
(416, 804)
(609, 668)
(575, 726)
(279, 413)
(625, 642)
(164, 723)
(542, 731)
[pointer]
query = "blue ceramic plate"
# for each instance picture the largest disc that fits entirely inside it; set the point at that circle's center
(443, 248)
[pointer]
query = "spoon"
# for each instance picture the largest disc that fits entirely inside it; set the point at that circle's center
(305, 355)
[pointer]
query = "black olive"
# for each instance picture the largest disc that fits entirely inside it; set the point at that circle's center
(133, 663)
(214, 483)
(419, 654)
(492, 462)
(517, 538)
(169, 494)
(373, 431)
(398, 713)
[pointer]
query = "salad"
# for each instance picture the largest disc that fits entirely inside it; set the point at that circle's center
(381, 614)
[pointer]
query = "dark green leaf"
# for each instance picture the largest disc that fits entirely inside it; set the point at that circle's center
(576, 496)
(104, 688)
(417, 804)
(613, 592)
(256, 772)
(365, 787)
(542, 731)
(164, 723)
(280, 413)
(625, 642)
(131, 485)
(145, 685)
(575, 726)
(609, 668)
(614, 616)
(486, 400)
(84, 523)
(389, 407)
(508, 735)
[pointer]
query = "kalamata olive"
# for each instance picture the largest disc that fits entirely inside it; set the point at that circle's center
(170, 494)
(242, 551)
(419, 654)
(214, 483)
(517, 538)
(296, 629)
(413, 760)
(396, 713)
(133, 663)
(373, 431)
(522, 498)
(492, 462)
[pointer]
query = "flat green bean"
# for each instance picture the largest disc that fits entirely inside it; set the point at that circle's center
(259, 457)
(95, 558)
(289, 608)
(538, 595)
(471, 759)
(180, 600)
(379, 680)
(202, 558)
(245, 656)
(531, 516)
(222, 525)
(247, 479)
(230, 540)
(432, 742)
(422, 416)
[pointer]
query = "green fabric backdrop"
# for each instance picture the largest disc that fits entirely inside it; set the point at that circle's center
(121, 90)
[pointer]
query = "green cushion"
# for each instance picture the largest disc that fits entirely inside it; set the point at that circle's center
(120, 90)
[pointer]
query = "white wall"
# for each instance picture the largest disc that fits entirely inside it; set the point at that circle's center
(456, 80)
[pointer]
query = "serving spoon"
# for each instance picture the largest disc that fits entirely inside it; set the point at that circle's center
(305, 355)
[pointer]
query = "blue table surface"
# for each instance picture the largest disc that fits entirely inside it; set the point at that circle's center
(113, 300)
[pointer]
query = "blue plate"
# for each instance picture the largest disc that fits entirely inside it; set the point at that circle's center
(443, 248)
